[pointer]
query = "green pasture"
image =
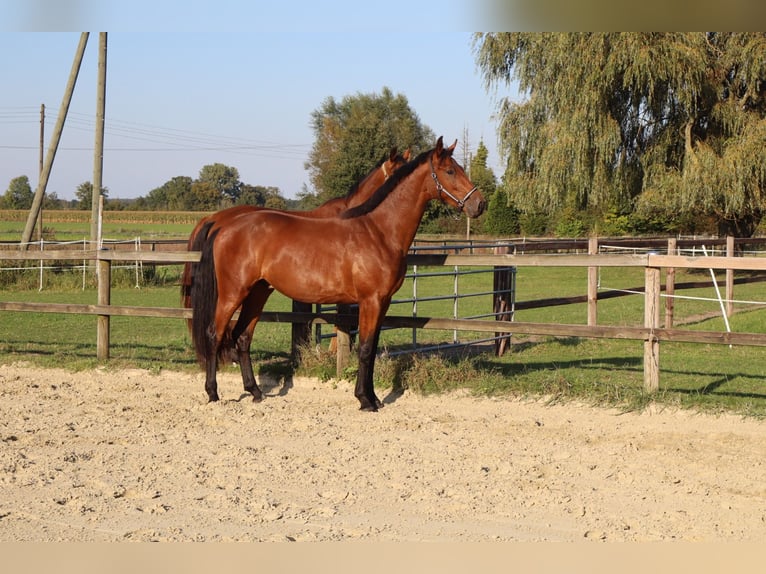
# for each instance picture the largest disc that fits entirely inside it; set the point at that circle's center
(600, 371)
(75, 225)
(74, 231)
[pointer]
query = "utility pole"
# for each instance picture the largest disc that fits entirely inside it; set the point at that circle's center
(98, 151)
(103, 269)
(40, 170)
(467, 167)
(42, 184)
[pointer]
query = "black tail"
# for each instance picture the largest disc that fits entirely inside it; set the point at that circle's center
(194, 243)
(204, 297)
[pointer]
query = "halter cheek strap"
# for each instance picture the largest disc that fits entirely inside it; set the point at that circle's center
(440, 189)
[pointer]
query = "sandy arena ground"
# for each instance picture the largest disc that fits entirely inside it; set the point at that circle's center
(129, 455)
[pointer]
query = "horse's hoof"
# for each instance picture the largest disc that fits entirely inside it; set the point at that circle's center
(257, 399)
(212, 399)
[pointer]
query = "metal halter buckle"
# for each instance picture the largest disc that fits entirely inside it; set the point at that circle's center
(440, 189)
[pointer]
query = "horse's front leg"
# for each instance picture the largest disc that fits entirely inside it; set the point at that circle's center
(370, 320)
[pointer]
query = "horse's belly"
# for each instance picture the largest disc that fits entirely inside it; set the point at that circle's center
(312, 285)
(316, 276)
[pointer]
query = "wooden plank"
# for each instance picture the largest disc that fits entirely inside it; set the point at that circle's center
(512, 327)
(550, 260)
(150, 256)
(547, 260)
(68, 255)
(714, 262)
(105, 255)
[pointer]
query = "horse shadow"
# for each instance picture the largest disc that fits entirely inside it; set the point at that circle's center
(275, 380)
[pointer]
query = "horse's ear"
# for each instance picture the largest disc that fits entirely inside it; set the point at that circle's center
(451, 148)
(392, 155)
(407, 154)
(439, 146)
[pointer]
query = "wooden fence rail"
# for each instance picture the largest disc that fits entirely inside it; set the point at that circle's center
(650, 333)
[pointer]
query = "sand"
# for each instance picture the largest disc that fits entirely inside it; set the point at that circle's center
(129, 455)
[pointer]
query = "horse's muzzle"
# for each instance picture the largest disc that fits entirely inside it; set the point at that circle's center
(475, 205)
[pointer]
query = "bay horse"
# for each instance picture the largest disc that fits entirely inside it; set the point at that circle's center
(308, 260)
(358, 194)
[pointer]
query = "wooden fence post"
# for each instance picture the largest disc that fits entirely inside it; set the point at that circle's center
(592, 285)
(502, 281)
(729, 278)
(670, 286)
(651, 321)
(104, 281)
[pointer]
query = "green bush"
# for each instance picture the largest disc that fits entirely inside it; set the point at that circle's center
(533, 224)
(502, 219)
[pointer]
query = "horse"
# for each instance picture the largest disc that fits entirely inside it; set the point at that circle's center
(356, 195)
(308, 260)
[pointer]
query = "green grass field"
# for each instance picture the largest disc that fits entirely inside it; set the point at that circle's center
(118, 225)
(706, 377)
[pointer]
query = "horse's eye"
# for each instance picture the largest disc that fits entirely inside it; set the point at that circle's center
(450, 171)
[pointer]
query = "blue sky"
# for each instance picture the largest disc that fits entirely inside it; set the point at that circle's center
(176, 100)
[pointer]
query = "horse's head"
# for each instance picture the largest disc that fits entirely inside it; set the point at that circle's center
(395, 161)
(452, 184)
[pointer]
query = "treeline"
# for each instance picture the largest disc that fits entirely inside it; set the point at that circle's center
(218, 186)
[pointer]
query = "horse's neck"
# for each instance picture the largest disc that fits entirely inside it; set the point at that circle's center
(363, 191)
(329, 208)
(399, 215)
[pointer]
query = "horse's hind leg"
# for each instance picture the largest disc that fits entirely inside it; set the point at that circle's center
(243, 335)
(211, 366)
(215, 335)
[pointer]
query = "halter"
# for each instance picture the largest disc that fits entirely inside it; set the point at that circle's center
(440, 189)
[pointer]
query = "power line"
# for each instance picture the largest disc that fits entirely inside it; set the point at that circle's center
(168, 139)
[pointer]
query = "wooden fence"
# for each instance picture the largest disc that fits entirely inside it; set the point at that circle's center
(651, 333)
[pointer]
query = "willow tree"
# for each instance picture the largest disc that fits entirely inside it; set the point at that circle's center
(655, 122)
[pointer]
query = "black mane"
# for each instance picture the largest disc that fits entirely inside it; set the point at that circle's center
(384, 190)
(355, 187)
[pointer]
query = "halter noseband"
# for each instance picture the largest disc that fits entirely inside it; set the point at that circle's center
(440, 189)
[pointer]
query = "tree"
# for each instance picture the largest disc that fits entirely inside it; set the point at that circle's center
(617, 122)
(352, 135)
(224, 180)
(274, 199)
(205, 196)
(174, 194)
(178, 193)
(18, 195)
(483, 178)
(84, 195)
(502, 218)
